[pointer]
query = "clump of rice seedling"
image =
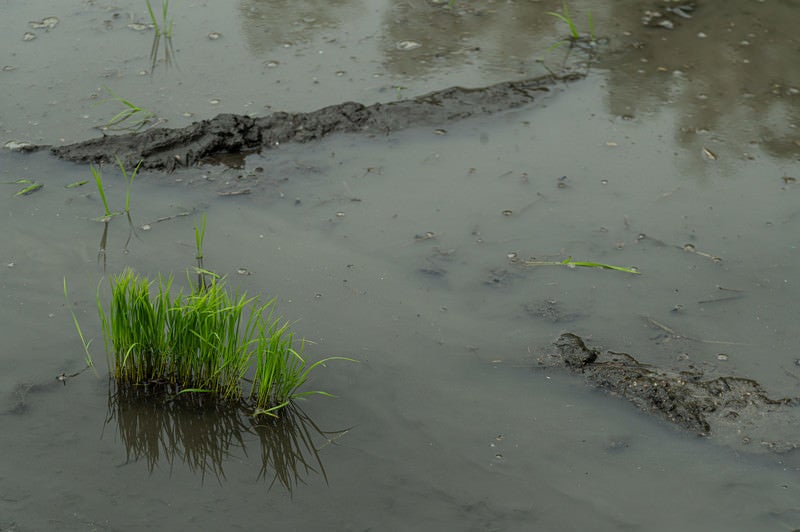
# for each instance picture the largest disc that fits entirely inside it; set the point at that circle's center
(206, 341)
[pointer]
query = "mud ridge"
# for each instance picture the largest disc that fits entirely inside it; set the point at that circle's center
(168, 149)
(735, 408)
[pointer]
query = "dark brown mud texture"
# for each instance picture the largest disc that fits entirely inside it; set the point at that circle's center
(732, 407)
(168, 149)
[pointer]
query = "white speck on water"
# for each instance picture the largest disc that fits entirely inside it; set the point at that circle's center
(407, 45)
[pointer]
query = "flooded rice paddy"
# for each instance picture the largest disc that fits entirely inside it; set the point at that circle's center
(677, 155)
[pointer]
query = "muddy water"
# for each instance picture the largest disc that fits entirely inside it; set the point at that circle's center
(397, 250)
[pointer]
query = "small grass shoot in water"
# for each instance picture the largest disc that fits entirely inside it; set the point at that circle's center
(128, 181)
(97, 174)
(567, 19)
(162, 31)
(88, 356)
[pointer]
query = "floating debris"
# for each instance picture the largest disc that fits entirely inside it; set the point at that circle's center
(46, 23)
(427, 235)
(789, 179)
(407, 45)
(138, 26)
(243, 271)
(242, 192)
(709, 154)
(28, 36)
(690, 248)
(214, 35)
(14, 145)
(569, 263)
(8, 68)
(76, 184)
(30, 189)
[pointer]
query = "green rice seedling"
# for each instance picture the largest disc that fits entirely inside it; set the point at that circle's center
(128, 181)
(575, 37)
(97, 174)
(88, 355)
(569, 263)
(138, 116)
(280, 369)
(165, 28)
(199, 237)
(567, 19)
(128, 187)
(163, 31)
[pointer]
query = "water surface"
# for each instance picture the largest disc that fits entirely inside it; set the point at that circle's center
(396, 250)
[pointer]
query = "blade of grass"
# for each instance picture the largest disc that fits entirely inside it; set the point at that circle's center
(569, 263)
(98, 179)
(565, 17)
(88, 355)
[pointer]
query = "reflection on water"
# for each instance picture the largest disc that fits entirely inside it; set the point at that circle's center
(420, 36)
(203, 432)
(730, 70)
(507, 37)
(268, 24)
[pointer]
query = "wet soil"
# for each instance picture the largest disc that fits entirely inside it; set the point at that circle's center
(689, 398)
(168, 149)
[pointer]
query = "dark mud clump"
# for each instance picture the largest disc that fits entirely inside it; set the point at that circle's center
(168, 149)
(725, 406)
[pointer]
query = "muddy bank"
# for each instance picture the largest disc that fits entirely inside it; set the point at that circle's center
(168, 149)
(735, 408)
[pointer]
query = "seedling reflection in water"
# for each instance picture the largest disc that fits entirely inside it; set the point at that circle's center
(162, 31)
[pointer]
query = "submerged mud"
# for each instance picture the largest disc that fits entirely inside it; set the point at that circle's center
(168, 149)
(724, 406)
